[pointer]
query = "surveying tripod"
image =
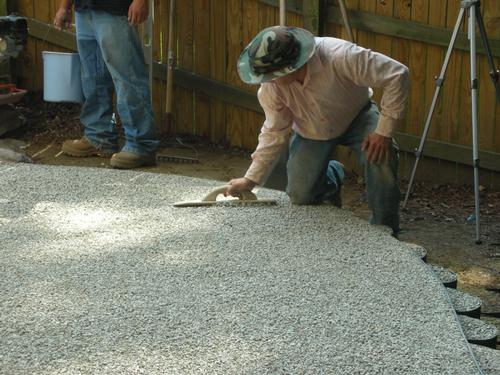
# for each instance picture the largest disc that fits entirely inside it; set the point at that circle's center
(475, 19)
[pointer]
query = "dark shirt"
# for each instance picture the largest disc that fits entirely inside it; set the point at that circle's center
(117, 7)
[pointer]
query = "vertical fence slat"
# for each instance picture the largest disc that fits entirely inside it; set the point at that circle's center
(27, 71)
(236, 121)
(184, 97)
(250, 29)
(401, 47)
(366, 39)
(218, 62)
(489, 128)
(418, 57)
(450, 91)
(435, 59)
(201, 64)
(159, 54)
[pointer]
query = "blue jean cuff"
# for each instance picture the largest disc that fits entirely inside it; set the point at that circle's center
(105, 148)
(137, 151)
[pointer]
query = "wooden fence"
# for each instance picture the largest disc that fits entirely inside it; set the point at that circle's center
(211, 101)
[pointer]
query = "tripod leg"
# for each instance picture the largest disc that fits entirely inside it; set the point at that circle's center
(439, 84)
(473, 77)
(493, 70)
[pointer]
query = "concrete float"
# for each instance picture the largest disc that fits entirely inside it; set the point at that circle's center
(100, 274)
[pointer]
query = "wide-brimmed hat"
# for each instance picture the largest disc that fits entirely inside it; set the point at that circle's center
(275, 52)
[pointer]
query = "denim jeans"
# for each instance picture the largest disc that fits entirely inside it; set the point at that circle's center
(112, 58)
(307, 174)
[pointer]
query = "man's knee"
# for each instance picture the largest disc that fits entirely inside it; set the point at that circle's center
(383, 174)
(299, 196)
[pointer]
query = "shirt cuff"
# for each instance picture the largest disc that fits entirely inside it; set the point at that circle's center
(386, 126)
(256, 173)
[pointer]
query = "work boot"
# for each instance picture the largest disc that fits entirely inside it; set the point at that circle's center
(335, 199)
(82, 148)
(129, 160)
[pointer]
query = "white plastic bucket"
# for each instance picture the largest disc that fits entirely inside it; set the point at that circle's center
(62, 77)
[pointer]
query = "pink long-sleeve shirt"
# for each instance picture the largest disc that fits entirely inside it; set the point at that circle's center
(336, 87)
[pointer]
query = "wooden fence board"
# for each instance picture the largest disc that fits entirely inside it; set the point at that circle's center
(401, 47)
(218, 49)
(184, 98)
(159, 87)
(201, 57)
(236, 119)
(250, 29)
(435, 59)
(489, 130)
(42, 13)
(366, 39)
(418, 58)
(267, 16)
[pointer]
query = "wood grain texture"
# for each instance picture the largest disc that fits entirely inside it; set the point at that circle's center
(236, 119)
(218, 48)
(418, 60)
(451, 89)
(202, 65)
(435, 59)
(184, 119)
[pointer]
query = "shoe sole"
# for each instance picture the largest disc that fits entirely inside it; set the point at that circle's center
(132, 165)
(85, 154)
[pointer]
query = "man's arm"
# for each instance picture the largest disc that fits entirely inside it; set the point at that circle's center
(63, 17)
(273, 138)
(367, 68)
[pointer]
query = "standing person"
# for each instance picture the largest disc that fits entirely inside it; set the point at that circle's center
(318, 89)
(111, 56)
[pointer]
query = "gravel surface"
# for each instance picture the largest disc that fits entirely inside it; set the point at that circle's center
(101, 275)
(476, 329)
(463, 302)
(489, 358)
(446, 276)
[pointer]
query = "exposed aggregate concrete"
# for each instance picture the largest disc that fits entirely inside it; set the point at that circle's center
(101, 275)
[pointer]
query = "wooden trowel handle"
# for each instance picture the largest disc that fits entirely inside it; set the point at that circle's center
(212, 196)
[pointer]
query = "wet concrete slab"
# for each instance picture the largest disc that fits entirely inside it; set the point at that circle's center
(100, 274)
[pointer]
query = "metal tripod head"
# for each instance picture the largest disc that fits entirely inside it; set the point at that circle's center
(468, 3)
(494, 73)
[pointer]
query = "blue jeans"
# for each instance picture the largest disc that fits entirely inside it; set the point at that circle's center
(308, 175)
(112, 58)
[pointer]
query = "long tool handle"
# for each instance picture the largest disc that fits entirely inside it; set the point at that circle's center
(282, 12)
(345, 18)
(170, 71)
(212, 196)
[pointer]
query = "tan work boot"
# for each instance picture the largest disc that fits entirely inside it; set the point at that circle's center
(129, 160)
(81, 148)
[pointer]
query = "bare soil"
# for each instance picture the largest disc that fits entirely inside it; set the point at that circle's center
(438, 217)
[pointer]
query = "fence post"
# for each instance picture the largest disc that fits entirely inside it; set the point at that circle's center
(311, 9)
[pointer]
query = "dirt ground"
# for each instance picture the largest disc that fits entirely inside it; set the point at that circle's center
(438, 217)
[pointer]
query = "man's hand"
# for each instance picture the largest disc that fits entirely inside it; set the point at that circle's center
(237, 185)
(138, 12)
(63, 18)
(377, 148)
